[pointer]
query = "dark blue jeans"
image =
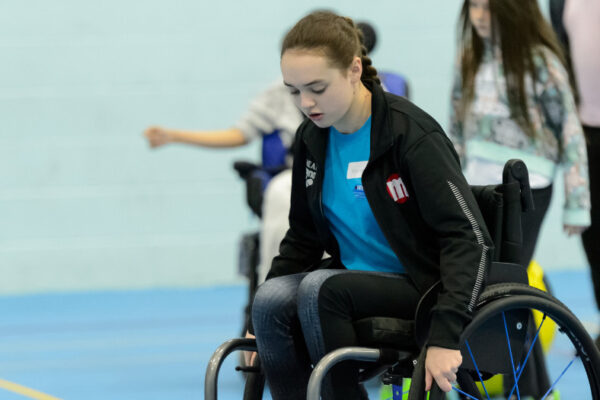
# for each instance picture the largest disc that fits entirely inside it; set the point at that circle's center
(591, 237)
(299, 318)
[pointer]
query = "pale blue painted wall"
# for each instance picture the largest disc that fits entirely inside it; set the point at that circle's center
(84, 204)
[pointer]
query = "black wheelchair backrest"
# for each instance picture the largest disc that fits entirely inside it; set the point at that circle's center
(502, 206)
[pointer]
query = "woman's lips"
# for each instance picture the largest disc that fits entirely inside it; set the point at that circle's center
(482, 28)
(315, 116)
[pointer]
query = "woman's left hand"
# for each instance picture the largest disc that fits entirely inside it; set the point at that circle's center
(442, 365)
(574, 229)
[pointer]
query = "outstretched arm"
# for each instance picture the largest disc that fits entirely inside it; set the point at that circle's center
(158, 136)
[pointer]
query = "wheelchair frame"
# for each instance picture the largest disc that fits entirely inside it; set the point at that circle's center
(501, 298)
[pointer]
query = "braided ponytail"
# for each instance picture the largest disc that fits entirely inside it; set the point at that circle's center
(369, 73)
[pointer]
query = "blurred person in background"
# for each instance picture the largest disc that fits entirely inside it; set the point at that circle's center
(577, 25)
(512, 98)
(390, 81)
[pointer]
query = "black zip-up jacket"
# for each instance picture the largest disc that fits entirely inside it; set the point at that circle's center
(420, 199)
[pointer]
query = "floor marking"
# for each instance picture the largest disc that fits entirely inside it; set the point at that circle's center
(25, 391)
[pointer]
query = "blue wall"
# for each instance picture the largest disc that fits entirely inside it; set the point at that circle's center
(85, 204)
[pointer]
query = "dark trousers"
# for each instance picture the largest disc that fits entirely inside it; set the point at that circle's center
(301, 317)
(591, 237)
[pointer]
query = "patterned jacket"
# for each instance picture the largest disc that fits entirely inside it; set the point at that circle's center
(488, 135)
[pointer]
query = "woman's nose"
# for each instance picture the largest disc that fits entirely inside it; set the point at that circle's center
(306, 101)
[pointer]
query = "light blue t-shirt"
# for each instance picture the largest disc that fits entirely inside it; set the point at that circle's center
(362, 244)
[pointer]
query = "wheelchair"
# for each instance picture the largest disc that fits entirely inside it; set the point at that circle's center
(501, 339)
(256, 177)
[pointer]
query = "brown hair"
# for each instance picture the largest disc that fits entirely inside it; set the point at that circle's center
(338, 38)
(518, 27)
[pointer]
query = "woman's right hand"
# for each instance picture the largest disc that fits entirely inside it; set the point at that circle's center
(157, 136)
(441, 365)
(250, 356)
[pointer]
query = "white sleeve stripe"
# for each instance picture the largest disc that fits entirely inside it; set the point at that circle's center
(479, 236)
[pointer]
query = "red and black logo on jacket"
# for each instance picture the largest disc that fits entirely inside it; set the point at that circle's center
(397, 189)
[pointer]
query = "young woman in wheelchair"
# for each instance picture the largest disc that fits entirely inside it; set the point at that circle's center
(378, 186)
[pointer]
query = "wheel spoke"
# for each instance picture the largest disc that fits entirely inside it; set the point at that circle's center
(537, 333)
(558, 379)
(512, 362)
(477, 369)
(465, 394)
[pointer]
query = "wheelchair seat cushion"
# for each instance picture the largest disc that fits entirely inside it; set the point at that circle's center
(386, 332)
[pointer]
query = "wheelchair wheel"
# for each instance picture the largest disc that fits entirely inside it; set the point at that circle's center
(501, 340)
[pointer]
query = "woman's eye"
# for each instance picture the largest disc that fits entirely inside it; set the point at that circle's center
(319, 91)
(294, 92)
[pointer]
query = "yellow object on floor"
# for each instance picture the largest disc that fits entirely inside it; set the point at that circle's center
(548, 331)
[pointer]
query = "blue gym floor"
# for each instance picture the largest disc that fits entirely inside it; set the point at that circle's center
(152, 344)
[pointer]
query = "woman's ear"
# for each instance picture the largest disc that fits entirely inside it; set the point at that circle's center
(356, 69)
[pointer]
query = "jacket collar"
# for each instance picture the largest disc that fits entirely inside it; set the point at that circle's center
(382, 135)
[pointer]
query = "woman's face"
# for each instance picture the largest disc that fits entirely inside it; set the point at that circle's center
(322, 92)
(479, 14)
